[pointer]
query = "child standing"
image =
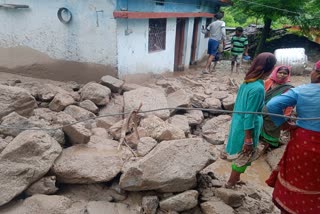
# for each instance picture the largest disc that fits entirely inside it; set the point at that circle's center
(239, 45)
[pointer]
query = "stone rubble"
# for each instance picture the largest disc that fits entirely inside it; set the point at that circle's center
(156, 169)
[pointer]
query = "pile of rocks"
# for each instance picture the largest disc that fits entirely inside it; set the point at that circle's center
(68, 148)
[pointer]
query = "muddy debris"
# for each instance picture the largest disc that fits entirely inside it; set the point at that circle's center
(91, 150)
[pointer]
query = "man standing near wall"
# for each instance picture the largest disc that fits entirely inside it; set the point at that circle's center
(217, 33)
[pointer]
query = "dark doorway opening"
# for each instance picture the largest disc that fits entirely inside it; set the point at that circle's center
(179, 44)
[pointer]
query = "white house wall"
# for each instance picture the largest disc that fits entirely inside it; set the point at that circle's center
(188, 39)
(203, 42)
(89, 37)
(133, 55)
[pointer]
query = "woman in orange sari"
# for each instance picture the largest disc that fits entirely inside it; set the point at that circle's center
(296, 182)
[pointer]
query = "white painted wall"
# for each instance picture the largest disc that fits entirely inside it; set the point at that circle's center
(133, 55)
(188, 41)
(203, 42)
(90, 37)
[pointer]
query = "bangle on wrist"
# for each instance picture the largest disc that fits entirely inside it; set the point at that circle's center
(248, 143)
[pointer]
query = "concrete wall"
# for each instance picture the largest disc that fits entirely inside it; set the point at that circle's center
(89, 37)
(133, 55)
(203, 42)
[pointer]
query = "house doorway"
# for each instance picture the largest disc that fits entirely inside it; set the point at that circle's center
(179, 44)
(194, 46)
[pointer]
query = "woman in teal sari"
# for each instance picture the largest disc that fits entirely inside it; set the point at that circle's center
(277, 84)
(245, 128)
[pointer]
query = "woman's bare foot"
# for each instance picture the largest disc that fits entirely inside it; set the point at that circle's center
(233, 179)
(223, 155)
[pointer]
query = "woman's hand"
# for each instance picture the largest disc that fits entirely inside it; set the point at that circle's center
(247, 149)
(247, 146)
(287, 126)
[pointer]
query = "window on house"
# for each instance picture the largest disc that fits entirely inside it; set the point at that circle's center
(159, 2)
(157, 34)
(208, 22)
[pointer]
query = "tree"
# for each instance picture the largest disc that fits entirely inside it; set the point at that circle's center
(311, 17)
(269, 11)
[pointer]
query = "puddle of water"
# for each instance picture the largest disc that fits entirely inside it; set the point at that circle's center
(256, 174)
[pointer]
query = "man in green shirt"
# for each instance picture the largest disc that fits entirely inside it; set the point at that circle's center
(239, 45)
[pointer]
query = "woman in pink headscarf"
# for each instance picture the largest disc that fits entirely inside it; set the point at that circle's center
(276, 84)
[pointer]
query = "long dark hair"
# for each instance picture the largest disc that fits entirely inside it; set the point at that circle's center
(262, 64)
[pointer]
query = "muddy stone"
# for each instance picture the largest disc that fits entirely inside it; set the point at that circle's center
(16, 99)
(231, 197)
(216, 207)
(95, 92)
(113, 83)
(181, 202)
(150, 204)
(46, 186)
(25, 160)
(149, 98)
(168, 167)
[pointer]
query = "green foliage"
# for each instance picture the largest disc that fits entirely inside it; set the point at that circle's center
(268, 8)
(273, 13)
(234, 17)
(226, 55)
(311, 16)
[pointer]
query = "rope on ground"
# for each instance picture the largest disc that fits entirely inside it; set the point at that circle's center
(211, 110)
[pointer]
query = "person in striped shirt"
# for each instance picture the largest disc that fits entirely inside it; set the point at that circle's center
(239, 46)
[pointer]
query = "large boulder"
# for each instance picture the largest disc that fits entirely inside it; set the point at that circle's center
(46, 91)
(231, 197)
(170, 167)
(93, 192)
(3, 144)
(16, 120)
(98, 161)
(25, 160)
(149, 98)
(95, 92)
(161, 130)
(104, 207)
(215, 130)
(77, 133)
(220, 95)
(180, 202)
(113, 83)
(54, 118)
(115, 106)
(46, 186)
(195, 117)
(181, 122)
(150, 204)
(212, 103)
(89, 105)
(228, 102)
(145, 145)
(179, 98)
(79, 113)
(52, 204)
(15, 99)
(60, 101)
(216, 207)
